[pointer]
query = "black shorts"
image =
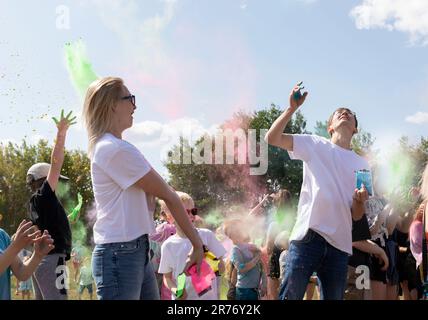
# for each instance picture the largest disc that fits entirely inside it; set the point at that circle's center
(274, 267)
(403, 266)
(392, 252)
(412, 274)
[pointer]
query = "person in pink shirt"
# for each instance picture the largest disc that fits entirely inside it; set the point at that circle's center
(416, 233)
(419, 230)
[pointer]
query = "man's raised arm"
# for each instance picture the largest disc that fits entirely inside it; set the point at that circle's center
(276, 136)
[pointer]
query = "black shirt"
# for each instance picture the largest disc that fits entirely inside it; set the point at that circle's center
(360, 231)
(48, 214)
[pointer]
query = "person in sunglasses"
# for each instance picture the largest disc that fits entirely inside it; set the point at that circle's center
(177, 247)
(321, 240)
(124, 185)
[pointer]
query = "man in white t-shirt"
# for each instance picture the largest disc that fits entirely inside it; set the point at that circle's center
(321, 240)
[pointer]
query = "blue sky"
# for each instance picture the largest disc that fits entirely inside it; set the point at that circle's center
(192, 64)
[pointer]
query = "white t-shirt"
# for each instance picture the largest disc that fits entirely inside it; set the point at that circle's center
(174, 253)
(122, 211)
(327, 189)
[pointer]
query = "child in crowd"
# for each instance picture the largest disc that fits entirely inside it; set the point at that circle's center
(175, 250)
(251, 278)
(26, 287)
(76, 258)
(164, 230)
(85, 279)
(26, 234)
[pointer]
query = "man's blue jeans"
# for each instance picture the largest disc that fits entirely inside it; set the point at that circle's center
(314, 254)
(123, 271)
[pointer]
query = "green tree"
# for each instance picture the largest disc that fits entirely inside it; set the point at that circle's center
(224, 185)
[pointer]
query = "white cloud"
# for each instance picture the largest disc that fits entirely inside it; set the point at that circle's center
(408, 16)
(165, 135)
(243, 4)
(418, 118)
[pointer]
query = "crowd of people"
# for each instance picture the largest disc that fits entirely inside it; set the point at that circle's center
(348, 241)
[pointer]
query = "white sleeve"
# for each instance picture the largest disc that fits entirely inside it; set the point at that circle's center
(126, 166)
(213, 244)
(165, 265)
(304, 146)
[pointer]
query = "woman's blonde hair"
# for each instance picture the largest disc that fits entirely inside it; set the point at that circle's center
(424, 184)
(98, 109)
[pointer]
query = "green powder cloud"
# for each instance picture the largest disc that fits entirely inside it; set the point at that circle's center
(79, 68)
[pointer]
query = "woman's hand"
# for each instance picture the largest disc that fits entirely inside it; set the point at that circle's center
(195, 257)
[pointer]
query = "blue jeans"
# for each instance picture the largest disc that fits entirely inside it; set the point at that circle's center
(246, 294)
(123, 271)
(314, 254)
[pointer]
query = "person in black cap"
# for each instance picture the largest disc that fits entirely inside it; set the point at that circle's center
(47, 213)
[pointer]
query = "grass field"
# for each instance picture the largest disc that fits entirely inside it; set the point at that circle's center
(73, 290)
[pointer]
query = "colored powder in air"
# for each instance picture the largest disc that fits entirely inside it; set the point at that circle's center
(79, 67)
(214, 218)
(395, 175)
(79, 232)
(75, 212)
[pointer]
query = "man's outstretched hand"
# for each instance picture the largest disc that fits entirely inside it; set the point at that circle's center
(296, 98)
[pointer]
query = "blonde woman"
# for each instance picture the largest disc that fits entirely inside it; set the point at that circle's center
(124, 187)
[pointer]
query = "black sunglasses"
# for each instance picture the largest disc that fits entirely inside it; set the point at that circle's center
(130, 97)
